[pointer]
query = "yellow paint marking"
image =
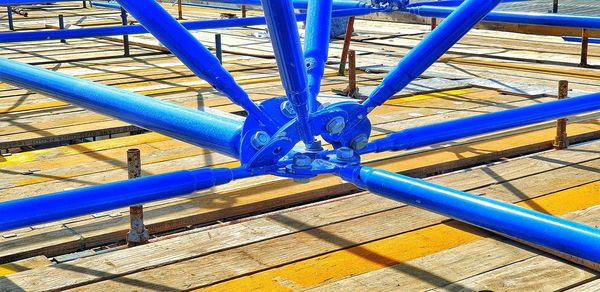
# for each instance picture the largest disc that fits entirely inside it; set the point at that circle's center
(7, 269)
(397, 249)
(417, 97)
(36, 106)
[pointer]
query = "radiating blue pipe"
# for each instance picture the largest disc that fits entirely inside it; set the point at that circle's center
(94, 199)
(579, 39)
(212, 131)
(191, 52)
(107, 5)
(436, 44)
(558, 234)
(8, 37)
(485, 123)
(302, 4)
(316, 45)
(290, 61)
(577, 21)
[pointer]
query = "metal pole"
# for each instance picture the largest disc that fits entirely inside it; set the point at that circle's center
(316, 46)
(179, 9)
(244, 12)
(178, 122)
(138, 234)
(506, 219)
(562, 140)
(347, 40)
(61, 25)
(555, 6)
(125, 37)
(585, 40)
(84, 4)
(218, 48)
(433, 23)
(9, 13)
(351, 73)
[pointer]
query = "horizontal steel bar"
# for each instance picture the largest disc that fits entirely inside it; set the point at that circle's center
(579, 39)
(301, 4)
(545, 19)
(94, 199)
(485, 123)
(216, 132)
(9, 37)
(557, 234)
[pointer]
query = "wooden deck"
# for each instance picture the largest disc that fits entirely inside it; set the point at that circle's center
(268, 233)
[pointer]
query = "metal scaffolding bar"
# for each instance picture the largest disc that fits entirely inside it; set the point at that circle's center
(316, 45)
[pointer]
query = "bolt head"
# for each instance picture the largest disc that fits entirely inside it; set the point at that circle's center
(302, 161)
(287, 109)
(260, 139)
(359, 142)
(315, 146)
(301, 180)
(344, 153)
(336, 125)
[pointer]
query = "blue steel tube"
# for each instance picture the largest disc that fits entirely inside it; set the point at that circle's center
(8, 37)
(437, 43)
(547, 19)
(557, 234)
(200, 128)
(316, 45)
(485, 123)
(94, 199)
(302, 4)
(191, 52)
(290, 61)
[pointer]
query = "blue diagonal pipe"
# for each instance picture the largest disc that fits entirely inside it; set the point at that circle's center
(485, 123)
(212, 131)
(546, 19)
(316, 45)
(302, 4)
(94, 199)
(290, 60)
(436, 44)
(191, 52)
(8, 37)
(558, 234)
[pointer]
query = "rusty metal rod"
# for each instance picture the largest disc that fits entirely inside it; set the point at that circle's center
(351, 73)
(138, 234)
(179, 10)
(562, 140)
(585, 40)
(347, 39)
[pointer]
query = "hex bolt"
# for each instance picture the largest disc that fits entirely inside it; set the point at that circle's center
(302, 161)
(287, 109)
(359, 142)
(344, 153)
(259, 140)
(315, 146)
(336, 125)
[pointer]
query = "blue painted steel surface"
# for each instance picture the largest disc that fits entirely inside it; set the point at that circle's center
(204, 129)
(577, 21)
(316, 45)
(191, 52)
(94, 199)
(506, 219)
(110, 5)
(579, 39)
(440, 40)
(486, 123)
(8, 37)
(290, 61)
(9, 14)
(302, 4)
(26, 2)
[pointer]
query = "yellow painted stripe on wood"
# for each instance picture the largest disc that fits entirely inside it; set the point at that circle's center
(7, 269)
(397, 249)
(29, 107)
(418, 97)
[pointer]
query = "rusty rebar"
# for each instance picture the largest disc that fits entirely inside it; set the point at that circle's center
(138, 234)
(562, 140)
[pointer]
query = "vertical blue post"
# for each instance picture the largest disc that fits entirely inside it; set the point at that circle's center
(9, 13)
(61, 25)
(316, 45)
(125, 37)
(218, 48)
(283, 30)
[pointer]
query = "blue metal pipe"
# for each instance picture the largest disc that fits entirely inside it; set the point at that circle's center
(579, 39)
(27, 2)
(558, 234)
(437, 43)
(301, 4)
(107, 5)
(577, 21)
(191, 52)
(316, 45)
(9, 37)
(94, 199)
(290, 61)
(9, 14)
(212, 131)
(485, 123)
